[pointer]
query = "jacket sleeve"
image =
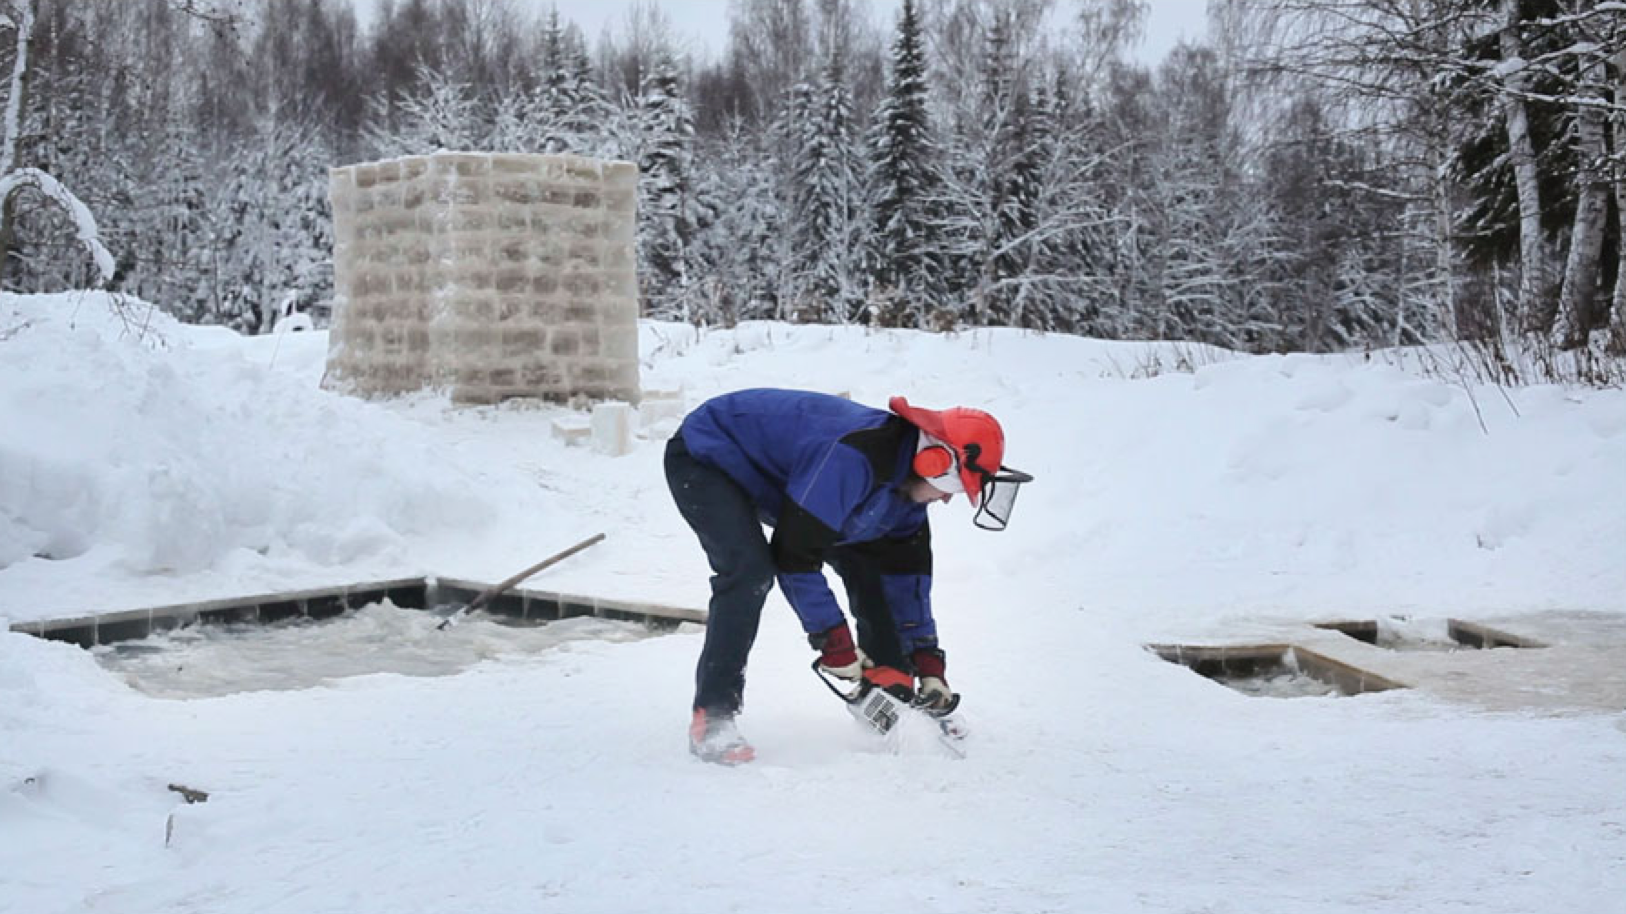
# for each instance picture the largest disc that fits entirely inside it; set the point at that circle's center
(905, 566)
(817, 499)
(800, 543)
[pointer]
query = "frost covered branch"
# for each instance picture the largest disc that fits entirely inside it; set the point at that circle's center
(13, 180)
(84, 223)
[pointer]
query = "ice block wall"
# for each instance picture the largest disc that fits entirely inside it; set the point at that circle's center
(490, 275)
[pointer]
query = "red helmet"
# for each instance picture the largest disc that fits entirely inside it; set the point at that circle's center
(978, 444)
(975, 436)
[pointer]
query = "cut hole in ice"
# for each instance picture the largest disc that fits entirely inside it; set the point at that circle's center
(1399, 633)
(299, 639)
(1274, 670)
(299, 652)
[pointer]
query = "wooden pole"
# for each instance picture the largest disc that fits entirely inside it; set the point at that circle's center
(494, 592)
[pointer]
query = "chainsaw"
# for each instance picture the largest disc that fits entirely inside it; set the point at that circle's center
(885, 697)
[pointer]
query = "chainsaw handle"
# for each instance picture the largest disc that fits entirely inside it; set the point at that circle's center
(848, 697)
(946, 710)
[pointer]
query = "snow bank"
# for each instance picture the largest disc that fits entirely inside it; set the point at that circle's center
(171, 452)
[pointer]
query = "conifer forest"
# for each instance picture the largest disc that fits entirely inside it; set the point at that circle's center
(1316, 176)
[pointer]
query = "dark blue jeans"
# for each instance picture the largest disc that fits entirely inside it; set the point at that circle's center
(725, 519)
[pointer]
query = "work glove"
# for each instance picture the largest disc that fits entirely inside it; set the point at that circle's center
(934, 692)
(838, 656)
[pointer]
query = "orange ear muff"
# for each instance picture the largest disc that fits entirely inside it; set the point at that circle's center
(934, 461)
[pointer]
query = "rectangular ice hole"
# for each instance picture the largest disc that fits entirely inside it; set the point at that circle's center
(1274, 670)
(1400, 633)
(300, 652)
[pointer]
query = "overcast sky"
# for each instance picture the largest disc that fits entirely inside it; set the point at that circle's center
(705, 22)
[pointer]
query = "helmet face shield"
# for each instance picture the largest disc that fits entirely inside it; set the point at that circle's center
(999, 498)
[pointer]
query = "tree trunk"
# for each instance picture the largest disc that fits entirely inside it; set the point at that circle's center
(1617, 343)
(1444, 262)
(24, 24)
(1575, 303)
(1535, 307)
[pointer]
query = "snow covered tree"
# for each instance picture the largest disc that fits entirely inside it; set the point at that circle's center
(264, 254)
(569, 110)
(164, 229)
(1336, 281)
(18, 17)
(906, 261)
(1107, 30)
(1187, 198)
(1596, 39)
(992, 174)
(1388, 66)
(734, 249)
(772, 41)
(1535, 270)
(1063, 219)
(665, 214)
(483, 42)
(405, 41)
(825, 197)
(439, 114)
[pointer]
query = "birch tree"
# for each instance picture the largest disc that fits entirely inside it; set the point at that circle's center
(1534, 270)
(1617, 343)
(773, 43)
(1395, 67)
(1576, 299)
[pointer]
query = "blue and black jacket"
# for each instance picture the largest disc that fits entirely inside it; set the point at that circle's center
(825, 472)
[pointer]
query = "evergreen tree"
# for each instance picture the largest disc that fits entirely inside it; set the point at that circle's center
(569, 111)
(734, 249)
(665, 209)
(824, 197)
(268, 254)
(990, 195)
(906, 259)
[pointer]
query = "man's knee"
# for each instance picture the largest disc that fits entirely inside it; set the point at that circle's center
(753, 573)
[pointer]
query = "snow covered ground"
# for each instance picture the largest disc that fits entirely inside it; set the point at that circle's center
(1182, 507)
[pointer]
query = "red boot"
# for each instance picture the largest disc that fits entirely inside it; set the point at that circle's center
(714, 738)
